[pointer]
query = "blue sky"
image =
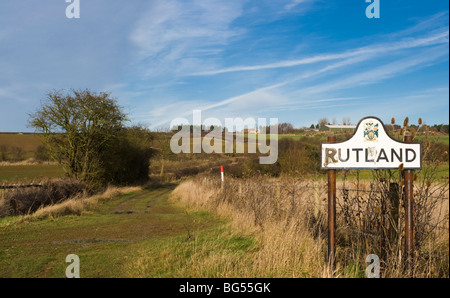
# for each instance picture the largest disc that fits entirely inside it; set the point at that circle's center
(295, 60)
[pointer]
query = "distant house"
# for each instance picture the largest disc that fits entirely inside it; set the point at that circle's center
(250, 131)
(333, 127)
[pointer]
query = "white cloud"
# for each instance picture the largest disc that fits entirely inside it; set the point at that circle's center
(160, 116)
(172, 36)
(380, 73)
(428, 24)
(188, 38)
(407, 43)
(293, 4)
(275, 100)
(270, 98)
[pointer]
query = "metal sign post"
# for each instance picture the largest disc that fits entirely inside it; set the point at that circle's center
(371, 147)
(409, 212)
(331, 213)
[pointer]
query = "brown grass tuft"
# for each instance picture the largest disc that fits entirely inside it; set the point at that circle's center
(79, 204)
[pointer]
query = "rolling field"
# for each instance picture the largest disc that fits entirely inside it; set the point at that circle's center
(140, 234)
(27, 173)
(19, 146)
(27, 142)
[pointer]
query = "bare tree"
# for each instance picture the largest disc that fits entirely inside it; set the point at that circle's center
(285, 128)
(322, 122)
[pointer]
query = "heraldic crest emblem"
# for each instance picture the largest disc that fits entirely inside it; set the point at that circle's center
(371, 131)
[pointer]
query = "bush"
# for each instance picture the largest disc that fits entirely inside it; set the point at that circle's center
(186, 172)
(299, 156)
(42, 154)
(254, 167)
(127, 159)
(86, 133)
(17, 154)
(233, 170)
(435, 151)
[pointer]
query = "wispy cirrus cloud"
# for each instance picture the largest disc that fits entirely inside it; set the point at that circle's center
(188, 40)
(427, 50)
(293, 4)
(377, 74)
(313, 96)
(406, 43)
(380, 73)
(175, 36)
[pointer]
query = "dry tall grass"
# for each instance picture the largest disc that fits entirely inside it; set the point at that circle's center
(285, 247)
(288, 219)
(77, 204)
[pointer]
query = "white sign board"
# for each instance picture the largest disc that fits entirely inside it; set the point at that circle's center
(371, 147)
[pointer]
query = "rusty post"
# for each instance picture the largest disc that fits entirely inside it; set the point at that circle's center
(331, 212)
(382, 229)
(409, 212)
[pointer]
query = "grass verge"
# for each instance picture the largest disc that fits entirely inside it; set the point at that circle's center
(136, 234)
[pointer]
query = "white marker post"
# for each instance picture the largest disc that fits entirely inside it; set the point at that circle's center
(221, 175)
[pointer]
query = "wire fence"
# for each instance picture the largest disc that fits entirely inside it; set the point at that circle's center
(370, 214)
(320, 190)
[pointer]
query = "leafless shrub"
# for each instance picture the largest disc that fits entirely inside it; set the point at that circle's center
(27, 200)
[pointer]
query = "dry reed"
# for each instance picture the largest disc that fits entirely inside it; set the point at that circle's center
(287, 216)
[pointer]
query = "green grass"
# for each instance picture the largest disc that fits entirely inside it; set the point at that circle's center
(441, 139)
(18, 173)
(136, 235)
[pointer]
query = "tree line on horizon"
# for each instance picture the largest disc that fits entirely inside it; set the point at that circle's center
(88, 134)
